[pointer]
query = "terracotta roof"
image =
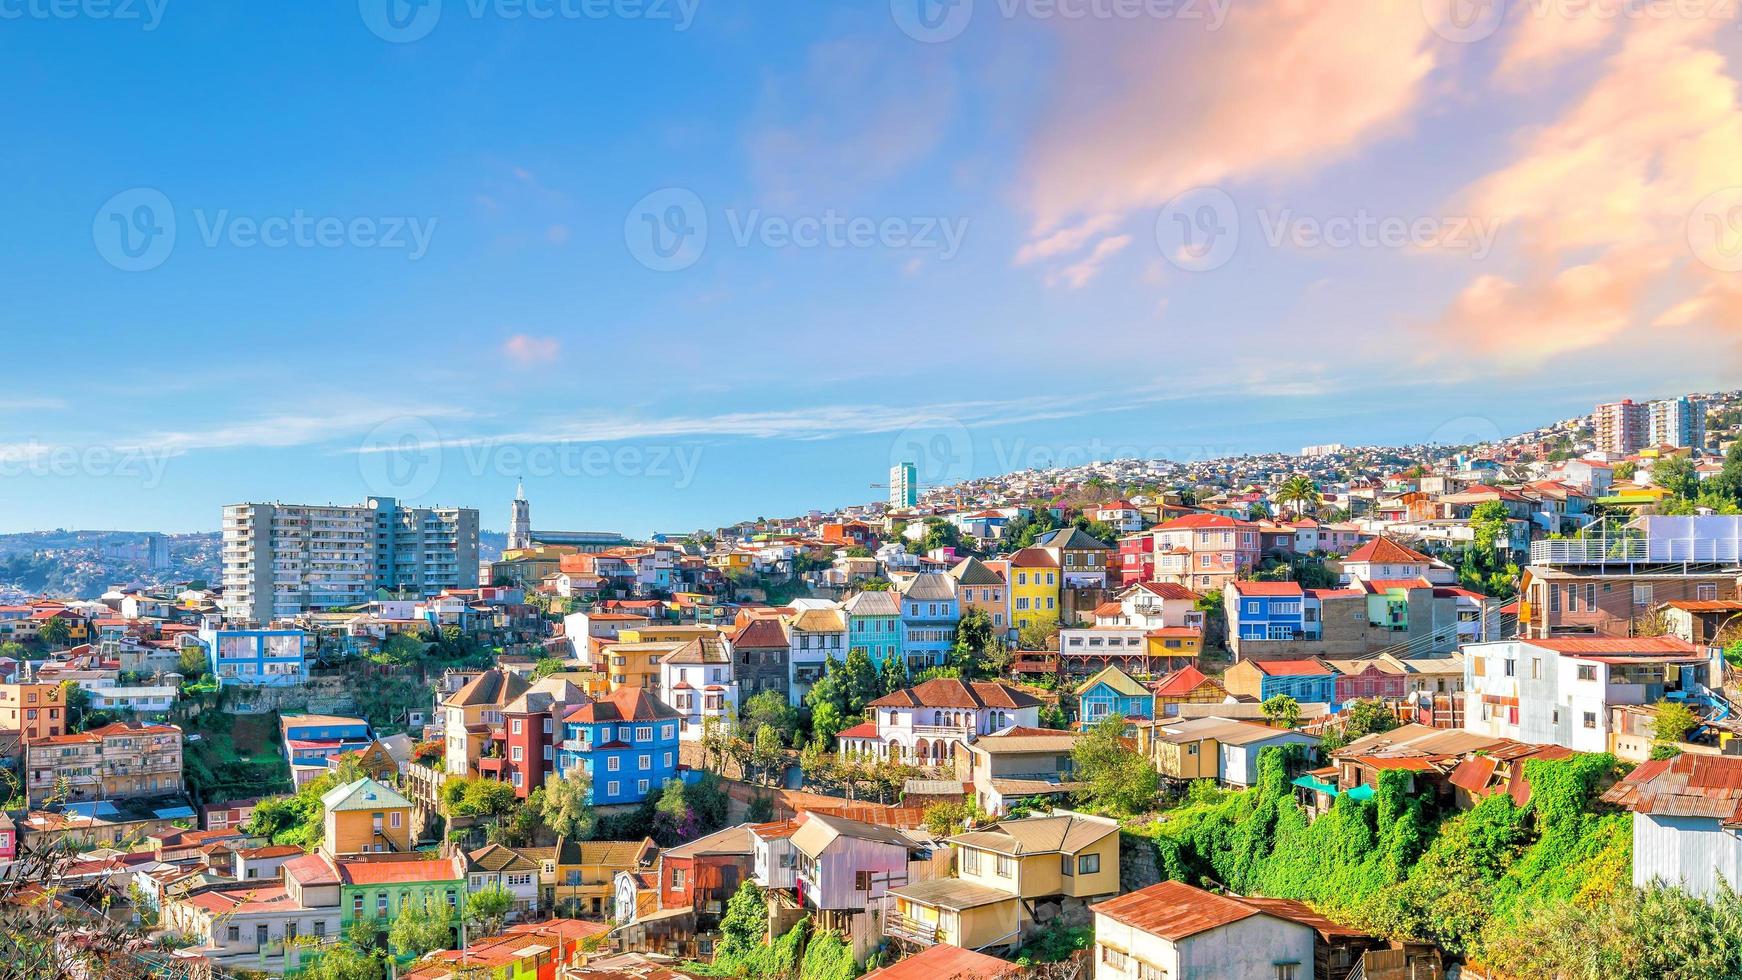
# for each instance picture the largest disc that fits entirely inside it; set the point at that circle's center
(1615, 645)
(1386, 551)
(399, 870)
(950, 692)
(946, 962)
(1191, 521)
(1182, 681)
(1033, 558)
(1291, 668)
(1266, 588)
(865, 729)
(1174, 910)
(1168, 590)
(311, 870)
(1705, 606)
(623, 704)
(761, 633)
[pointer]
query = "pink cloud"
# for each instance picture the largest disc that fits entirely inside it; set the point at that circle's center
(527, 350)
(1145, 111)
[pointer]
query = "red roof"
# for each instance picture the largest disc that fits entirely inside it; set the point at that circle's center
(1191, 521)
(1181, 682)
(1615, 645)
(950, 692)
(1175, 631)
(1290, 668)
(1169, 590)
(409, 869)
(761, 633)
(623, 704)
(1033, 558)
(946, 962)
(1174, 910)
(1266, 588)
(866, 729)
(1387, 584)
(1386, 551)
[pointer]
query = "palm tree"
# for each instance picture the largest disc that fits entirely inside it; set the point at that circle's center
(1298, 490)
(54, 632)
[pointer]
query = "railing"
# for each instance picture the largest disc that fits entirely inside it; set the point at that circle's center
(1588, 551)
(944, 731)
(901, 927)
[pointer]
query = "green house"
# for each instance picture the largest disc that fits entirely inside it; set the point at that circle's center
(375, 889)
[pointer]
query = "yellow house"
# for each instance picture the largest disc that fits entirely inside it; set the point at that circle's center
(1034, 587)
(636, 664)
(577, 877)
(730, 561)
(1176, 641)
(658, 633)
(1181, 750)
(1003, 872)
(365, 817)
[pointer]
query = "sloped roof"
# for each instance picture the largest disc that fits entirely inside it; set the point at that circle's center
(1164, 590)
(951, 692)
(973, 571)
(1174, 910)
(1064, 833)
(1181, 682)
(701, 650)
(497, 858)
(1292, 668)
(732, 840)
(819, 621)
(493, 686)
(929, 586)
(364, 794)
(820, 830)
(1689, 785)
(760, 633)
(623, 704)
(1256, 588)
(1386, 551)
(400, 869)
(880, 603)
(1032, 558)
(1073, 539)
(946, 962)
(1118, 680)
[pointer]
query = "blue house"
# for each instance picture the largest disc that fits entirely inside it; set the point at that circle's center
(627, 741)
(310, 740)
(929, 614)
(1305, 680)
(1113, 692)
(874, 625)
(256, 657)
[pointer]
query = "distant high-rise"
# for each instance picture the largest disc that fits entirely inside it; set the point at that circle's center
(280, 560)
(1622, 427)
(1679, 422)
(903, 486)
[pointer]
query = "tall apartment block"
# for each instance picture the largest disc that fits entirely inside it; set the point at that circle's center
(903, 486)
(1622, 427)
(283, 559)
(1678, 422)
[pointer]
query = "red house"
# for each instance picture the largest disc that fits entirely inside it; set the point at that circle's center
(1377, 677)
(522, 751)
(704, 873)
(1136, 559)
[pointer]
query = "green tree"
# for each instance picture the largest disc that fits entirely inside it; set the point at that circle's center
(548, 666)
(1281, 710)
(191, 663)
(1118, 779)
(767, 751)
(744, 927)
(1672, 723)
(421, 926)
(1624, 470)
(54, 632)
(478, 797)
(1041, 633)
(1677, 475)
(488, 908)
(892, 674)
(342, 962)
(1300, 491)
(940, 534)
(827, 700)
(771, 709)
(568, 810)
(859, 681)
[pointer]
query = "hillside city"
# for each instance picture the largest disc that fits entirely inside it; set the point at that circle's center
(1350, 713)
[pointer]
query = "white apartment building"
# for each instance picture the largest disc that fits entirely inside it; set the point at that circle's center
(1678, 422)
(280, 560)
(1558, 691)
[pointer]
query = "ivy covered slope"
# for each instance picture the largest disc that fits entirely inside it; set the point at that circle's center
(1393, 866)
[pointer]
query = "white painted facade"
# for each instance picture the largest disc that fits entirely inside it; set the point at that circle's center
(1693, 852)
(1258, 947)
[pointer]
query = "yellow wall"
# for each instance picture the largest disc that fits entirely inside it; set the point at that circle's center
(1031, 584)
(353, 831)
(1174, 760)
(1102, 882)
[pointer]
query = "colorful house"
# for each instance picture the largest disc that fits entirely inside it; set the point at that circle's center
(1188, 685)
(627, 741)
(874, 625)
(929, 614)
(376, 889)
(257, 657)
(979, 587)
(1034, 587)
(582, 872)
(310, 740)
(365, 817)
(1082, 558)
(1112, 692)
(1306, 681)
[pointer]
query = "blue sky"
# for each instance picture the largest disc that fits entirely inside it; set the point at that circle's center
(1022, 247)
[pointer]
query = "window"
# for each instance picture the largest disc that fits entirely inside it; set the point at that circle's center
(1088, 864)
(970, 861)
(394, 822)
(1705, 593)
(1590, 719)
(1536, 668)
(381, 904)
(1642, 595)
(644, 733)
(1066, 865)
(1113, 957)
(613, 787)
(677, 877)
(1511, 668)
(1006, 866)
(646, 761)
(861, 881)
(320, 928)
(1587, 672)
(234, 934)
(1287, 971)
(613, 763)
(357, 905)
(518, 726)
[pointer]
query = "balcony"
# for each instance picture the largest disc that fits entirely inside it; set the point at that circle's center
(963, 732)
(901, 927)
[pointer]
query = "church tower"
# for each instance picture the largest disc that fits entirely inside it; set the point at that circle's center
(520, 521)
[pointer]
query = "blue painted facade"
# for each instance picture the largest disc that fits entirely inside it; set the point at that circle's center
(327, 737)
(628, 759)
(1304, 688)
(257, 657)
(1270, 617)
(1101, 701)
(929, 615)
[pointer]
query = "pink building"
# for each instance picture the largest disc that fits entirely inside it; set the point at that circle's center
(1205, 552)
